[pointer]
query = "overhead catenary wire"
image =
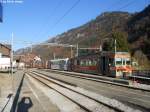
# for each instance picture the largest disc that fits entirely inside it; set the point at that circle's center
(46, 22)
(112, 5)
(68, 11)
(126, 5)
(65, 14)
(73, 6)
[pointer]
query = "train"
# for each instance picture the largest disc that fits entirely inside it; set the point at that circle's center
(113, 64)
(59, 64)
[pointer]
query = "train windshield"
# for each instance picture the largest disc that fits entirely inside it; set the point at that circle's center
(118, 61)
(123, 61)
(128, 62)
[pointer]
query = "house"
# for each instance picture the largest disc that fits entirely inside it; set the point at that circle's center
(5, 50)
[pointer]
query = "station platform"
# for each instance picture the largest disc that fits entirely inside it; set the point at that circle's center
(25, 96)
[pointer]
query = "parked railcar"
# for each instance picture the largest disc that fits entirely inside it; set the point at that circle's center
(114, 64)
(85, 64)
(105, 63)
(59, 64)
(40, 64)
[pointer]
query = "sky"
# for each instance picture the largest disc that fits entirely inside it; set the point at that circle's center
(38, 20)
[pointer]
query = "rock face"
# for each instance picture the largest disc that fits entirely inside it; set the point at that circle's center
(139, 32)
(95, 29)
(135, 27)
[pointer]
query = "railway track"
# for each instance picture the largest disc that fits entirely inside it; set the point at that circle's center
(70, 91)
(99, 79)
(135, 97)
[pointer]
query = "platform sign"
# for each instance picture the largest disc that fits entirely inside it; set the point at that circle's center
(1, 12)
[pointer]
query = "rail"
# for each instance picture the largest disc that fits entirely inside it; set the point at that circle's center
(45, 77)
(101, 79)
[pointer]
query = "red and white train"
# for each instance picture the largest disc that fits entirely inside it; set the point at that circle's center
(112, 64)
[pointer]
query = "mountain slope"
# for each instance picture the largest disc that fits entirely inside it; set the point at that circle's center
(139, 31)
(95, 29)
(89, 34)
(135, 27)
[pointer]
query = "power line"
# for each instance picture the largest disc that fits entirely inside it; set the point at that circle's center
(65, 14)
(112, 5)
(76, 3)
(45, 24)
(126, 5)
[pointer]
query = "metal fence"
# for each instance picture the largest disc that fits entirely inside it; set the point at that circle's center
(142, 73)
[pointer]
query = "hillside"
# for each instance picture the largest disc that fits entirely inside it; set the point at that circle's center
(135, 27)
(138, 28)
(89, 34)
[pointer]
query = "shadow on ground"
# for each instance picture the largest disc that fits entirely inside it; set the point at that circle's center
(24, 104)
(13, 108)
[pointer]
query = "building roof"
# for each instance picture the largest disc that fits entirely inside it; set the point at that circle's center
(6, 46)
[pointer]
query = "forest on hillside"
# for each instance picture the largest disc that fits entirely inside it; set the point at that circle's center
(131, 31)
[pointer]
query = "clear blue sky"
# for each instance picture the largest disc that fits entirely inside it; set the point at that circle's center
(34, 20)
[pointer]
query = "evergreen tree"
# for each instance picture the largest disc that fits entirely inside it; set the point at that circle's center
(121, 43)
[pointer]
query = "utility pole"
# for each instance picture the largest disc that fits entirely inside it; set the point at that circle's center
(100, 48)
(71, 51)
(115, 51)
(115, 46)
(31, 48)
(77, 50)
(54, 55)
(11, 63)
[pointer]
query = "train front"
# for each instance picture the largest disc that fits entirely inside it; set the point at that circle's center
(116, 64)
(121, 65)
